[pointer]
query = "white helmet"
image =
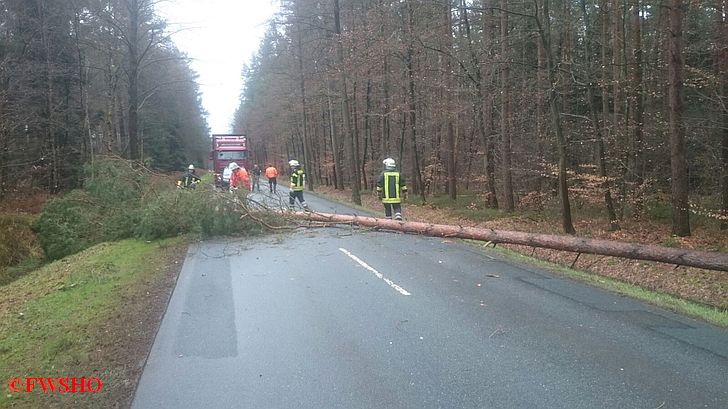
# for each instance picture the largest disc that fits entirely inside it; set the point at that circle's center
(293, 163)
(191, 167)
(389, 163)
(233, 166)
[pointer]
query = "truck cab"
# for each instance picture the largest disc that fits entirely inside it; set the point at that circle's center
(228, 148)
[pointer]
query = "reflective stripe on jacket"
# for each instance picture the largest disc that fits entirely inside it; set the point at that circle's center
(390, 186)
(297, 180)
(188, 178)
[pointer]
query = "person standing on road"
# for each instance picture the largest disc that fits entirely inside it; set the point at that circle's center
(298, 178)
(272, 174)
(256, 177)
(239, 178)
(390, 189)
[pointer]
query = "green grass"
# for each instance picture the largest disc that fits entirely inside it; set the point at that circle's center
(706, 313)
(51, 319)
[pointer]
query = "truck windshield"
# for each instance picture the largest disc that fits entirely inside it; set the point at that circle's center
(232, 155)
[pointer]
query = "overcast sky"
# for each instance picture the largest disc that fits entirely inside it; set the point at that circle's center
(220, 36)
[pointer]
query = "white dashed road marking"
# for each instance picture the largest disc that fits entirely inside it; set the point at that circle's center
(376, 273)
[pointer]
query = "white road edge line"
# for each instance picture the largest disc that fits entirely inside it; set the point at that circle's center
(376, 273)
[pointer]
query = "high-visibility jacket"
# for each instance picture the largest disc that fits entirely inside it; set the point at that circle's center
(271, 172)
(188, 179)
(297, 178)
(390, 186)
(240, 178)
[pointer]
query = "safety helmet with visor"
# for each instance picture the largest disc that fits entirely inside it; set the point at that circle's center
(389, 164)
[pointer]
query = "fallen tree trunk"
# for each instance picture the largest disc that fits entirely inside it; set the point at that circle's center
(683, 257)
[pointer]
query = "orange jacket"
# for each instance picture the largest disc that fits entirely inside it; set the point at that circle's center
(240, 176)
(271, 172)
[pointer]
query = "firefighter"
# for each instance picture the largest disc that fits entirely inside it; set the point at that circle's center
(189, 180)
(298, 178)
(391, 188)
(272, 174)
(239, 177)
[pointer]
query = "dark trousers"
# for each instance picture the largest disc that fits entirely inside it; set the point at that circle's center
(296, 194)
(272, 183)
(255, 183)
(388, 209)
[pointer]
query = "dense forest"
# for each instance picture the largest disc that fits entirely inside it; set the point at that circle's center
(83, 78)
(617, 103)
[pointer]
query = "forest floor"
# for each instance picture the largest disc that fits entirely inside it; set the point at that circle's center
(704, 287)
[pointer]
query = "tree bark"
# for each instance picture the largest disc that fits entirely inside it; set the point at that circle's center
(351, 142)
(612, 215)
(133, 77)
(722, 63)
(683, 257)
(335, 145)
(49, 120)
(307, 163)
(449, 90)
(485, 102)
(545, 35)
(637, 109)
(506, 110)
(678, 162)
(412, 104)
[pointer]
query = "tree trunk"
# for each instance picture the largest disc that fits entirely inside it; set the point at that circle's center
(351, 143)
(617, 100)
(553, 100)
(613, 224)
(412, 104)
(485, 102)
(335, 145)
(367, 132)
(133, 76)
(449, 90)
(541, 139)
(608, 129)
(637, 109)
(678, 162)
(311, 179)
(506, 110)
(722, 64)
(683, 257)
(50, 131)
(385, 114)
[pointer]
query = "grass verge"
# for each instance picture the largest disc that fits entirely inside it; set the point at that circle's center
(93, 314)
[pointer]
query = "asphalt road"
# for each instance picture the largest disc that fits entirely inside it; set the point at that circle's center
(348, 318)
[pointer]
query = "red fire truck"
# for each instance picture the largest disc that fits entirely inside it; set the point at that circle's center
(227, 148)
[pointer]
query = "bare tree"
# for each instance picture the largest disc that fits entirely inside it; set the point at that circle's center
(506, 109)
(678, 162)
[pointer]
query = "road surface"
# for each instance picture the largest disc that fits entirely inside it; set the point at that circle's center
(350, 318)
